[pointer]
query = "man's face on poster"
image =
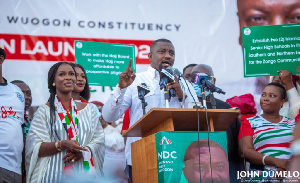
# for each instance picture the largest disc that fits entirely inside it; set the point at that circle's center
(219, 163)
(267, 12)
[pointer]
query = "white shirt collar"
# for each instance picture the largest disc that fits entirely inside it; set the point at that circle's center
(153, 72)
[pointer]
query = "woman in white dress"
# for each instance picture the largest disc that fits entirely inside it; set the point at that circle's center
(65, 137)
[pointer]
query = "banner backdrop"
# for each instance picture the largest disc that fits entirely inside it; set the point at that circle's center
(37, 33)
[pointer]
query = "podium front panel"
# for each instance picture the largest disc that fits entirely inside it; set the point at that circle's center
(176, 156)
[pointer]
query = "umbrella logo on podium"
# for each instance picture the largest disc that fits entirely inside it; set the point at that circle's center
(165, 141)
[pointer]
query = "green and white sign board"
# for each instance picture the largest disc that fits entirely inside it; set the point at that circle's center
(104, 62)
(268, 49)
(171, 148)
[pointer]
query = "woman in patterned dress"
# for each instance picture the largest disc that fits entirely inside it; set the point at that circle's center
(264, 140)
(65, 137)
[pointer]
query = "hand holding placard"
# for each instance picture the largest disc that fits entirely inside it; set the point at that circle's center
(285, 78)
(126, 77)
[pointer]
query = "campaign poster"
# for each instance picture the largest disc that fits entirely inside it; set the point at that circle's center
(104, 62)
(269, 49)
(178, 156)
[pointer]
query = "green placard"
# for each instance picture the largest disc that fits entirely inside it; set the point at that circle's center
(171, 148)
(104, 62)
(268, 49)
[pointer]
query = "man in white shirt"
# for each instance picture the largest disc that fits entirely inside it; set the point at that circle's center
(12, 106)
(125, 95)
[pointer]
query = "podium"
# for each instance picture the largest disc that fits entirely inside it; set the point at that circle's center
(144, 156)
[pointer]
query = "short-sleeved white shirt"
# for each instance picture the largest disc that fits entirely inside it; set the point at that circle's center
(12, 105)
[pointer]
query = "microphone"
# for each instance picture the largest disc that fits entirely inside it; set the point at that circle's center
(218, 90)
(142, 90)
(201, 79)
(166, 76)
(178, 74)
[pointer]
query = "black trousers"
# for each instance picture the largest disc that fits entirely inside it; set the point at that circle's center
(9, 176)
(128, 172)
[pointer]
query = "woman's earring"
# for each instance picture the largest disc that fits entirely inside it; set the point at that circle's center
(53, 84)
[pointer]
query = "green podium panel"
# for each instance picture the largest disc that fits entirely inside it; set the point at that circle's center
(178, 156)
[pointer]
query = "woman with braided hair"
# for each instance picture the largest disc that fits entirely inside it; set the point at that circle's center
(65, 137)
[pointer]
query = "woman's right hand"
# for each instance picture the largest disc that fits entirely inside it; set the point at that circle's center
(72, 145)
(72, 157)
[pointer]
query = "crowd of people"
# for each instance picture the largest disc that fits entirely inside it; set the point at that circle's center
(66, 137)
(69, 135)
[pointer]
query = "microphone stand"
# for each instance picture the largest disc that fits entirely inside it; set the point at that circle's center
(203, 96)
(167, 96)
(183, 90)
(142, 91)
(144, 104)
(213, 101)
